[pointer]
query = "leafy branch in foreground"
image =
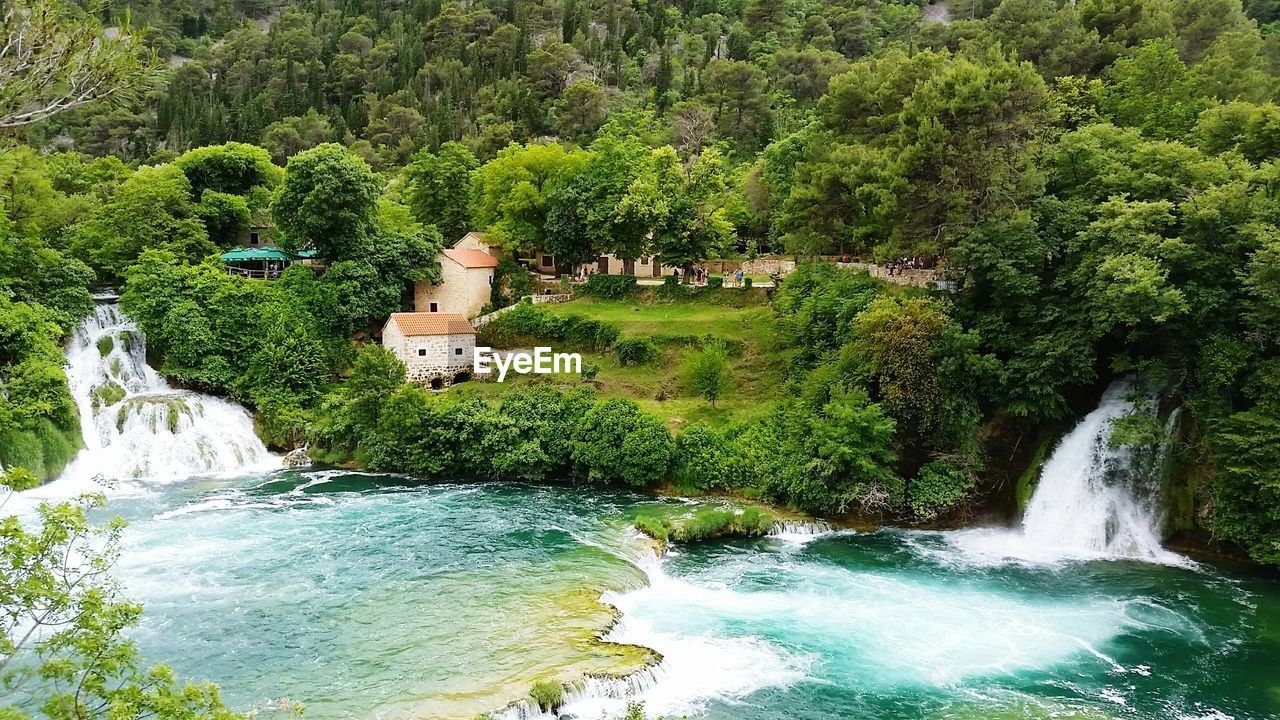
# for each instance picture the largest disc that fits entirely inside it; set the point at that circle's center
(51, 62)
(63, 651)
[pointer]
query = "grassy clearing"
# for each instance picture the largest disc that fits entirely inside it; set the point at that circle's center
(657, 385)
(694, 317)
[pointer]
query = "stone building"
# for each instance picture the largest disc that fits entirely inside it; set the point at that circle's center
(260, 234)
(467, 280)
(436, 348)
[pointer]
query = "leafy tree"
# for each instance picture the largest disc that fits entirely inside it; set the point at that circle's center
(439, 191)
(64, 651)
(328, 201)
(1154, 91)
(152, 209)
(581, 108)
(512, 191)
(59, 60)
(736, 94)
(707, 372)
(224, 216)
(231, 169)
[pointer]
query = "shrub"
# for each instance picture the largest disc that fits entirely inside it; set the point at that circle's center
(528, 319)
(657, 528)
(715, 282)
(707, 372)
(703, 459)
(589, 369)
(609, 287)
(938, 487)
(617, 442)
(548, 695)
(635, 351)
(746, 283)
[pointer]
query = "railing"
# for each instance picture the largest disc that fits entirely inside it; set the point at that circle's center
(254, 274)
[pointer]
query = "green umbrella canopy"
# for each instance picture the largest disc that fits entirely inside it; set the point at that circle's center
(243, 254)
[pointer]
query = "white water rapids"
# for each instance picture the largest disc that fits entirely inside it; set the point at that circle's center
(136, 425)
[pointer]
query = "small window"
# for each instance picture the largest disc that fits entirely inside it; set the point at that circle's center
(548, 261)
(490, 279)
(254, 239)
(644, 261)
(422, 352)
(435, 307)
(457, 351)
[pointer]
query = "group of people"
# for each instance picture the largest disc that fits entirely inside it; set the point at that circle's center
(897, 267)
(700, 275)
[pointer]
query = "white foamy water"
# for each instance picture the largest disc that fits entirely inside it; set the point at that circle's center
(136, 426)
(1092, 500)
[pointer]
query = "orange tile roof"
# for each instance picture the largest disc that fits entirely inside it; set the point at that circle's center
(471, 258)
(426, 323)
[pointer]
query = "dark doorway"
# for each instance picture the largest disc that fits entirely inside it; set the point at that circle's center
(602, 263)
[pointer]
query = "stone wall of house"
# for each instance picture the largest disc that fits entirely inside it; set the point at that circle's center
(266, 236)
(464, 290)
(442, 360)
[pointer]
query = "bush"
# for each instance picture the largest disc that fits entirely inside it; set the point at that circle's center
(589, 369)
(548, 694)
(657, 528)
(617, 442)
(715, 282)
(937, 488)
(609, 287)
(707, 372)
(746, 283)
(533, 321)
(703, 459)
(635, 351)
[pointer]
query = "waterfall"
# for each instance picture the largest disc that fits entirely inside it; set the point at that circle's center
(135, 425)
(1096, 498)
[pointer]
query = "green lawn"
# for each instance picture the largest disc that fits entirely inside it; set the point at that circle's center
(676, 318)
(658, 387)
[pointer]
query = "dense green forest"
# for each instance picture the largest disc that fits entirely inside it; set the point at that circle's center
(1101, 178)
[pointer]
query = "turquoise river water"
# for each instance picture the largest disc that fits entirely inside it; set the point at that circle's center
(376, 596)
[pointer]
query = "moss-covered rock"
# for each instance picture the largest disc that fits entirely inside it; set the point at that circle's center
(106, 395)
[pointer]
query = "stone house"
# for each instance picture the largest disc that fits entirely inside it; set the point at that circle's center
(467, 280)
(545, 263)
(260, 233)
(436, 348)
(645, 267)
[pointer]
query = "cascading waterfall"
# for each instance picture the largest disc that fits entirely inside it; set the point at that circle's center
(135, 425)
(1097, 498)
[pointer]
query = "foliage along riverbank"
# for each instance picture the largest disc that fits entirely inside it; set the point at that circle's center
(1123, 222)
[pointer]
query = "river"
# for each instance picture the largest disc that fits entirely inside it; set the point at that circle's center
(376, 596)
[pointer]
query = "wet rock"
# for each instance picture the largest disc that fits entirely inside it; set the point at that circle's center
(297, 458)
